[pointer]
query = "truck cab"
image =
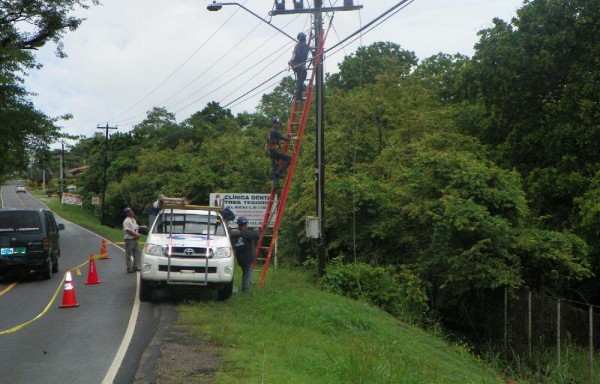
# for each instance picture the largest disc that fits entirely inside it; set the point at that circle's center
(187, 245)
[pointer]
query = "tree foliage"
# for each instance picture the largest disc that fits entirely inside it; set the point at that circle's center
(364, 66)
(540, 83)
(27, 25)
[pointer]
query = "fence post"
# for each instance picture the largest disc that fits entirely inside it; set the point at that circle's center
(591, 317)
(529, 321)
(505, 314)
(558, 333)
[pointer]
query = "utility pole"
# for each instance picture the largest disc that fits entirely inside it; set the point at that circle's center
(105, 168)
(317, 11)
(320, 144)
(62, 169)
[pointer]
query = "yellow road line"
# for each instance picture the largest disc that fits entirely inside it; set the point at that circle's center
(41, 314)
(8, 288)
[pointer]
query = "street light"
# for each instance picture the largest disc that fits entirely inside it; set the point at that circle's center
(215, 6)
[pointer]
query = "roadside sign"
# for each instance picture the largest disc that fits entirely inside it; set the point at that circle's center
(71, 198)
(250, 205)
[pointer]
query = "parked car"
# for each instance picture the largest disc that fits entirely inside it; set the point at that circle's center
(20, 188)
(29, 241)
(186, 246)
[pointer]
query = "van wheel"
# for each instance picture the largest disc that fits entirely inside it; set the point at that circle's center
(146, 290)
(46, 271)
(225, 292)
(55, 265)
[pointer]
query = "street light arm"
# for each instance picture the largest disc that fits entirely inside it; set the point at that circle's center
(217, 6)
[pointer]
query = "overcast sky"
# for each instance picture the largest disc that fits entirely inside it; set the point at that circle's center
(130, 56)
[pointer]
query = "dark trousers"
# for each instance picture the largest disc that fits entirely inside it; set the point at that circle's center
(300, 78)
(277, 172)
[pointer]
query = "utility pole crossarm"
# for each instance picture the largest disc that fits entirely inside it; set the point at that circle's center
(312, 10)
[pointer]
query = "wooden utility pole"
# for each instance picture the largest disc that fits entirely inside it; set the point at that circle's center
(105, 168)
(317, 11)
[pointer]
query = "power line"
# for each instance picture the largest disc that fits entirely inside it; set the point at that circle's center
(263, 43)
(250, 93)
(176, 70)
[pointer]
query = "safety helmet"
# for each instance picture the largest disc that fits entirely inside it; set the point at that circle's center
(276, 121)
(242, 221)
(126, 211)
(301, 36)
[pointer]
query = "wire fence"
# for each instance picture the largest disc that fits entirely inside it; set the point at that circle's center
(536, 324)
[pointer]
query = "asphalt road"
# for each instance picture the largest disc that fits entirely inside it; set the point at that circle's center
(100, 341)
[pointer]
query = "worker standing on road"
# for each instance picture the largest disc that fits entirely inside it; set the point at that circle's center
(275, 154)
(245, 252)
(131, 236)
(298, 63)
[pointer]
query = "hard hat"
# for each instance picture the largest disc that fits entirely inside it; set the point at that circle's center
(276, 121)
(126, 211)
(241, 221)
(301, 36)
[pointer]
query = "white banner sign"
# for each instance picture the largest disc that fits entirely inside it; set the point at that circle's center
(71, 198)
(250, 205)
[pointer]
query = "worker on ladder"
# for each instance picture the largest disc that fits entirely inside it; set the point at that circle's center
(298, 64)
(275, 154)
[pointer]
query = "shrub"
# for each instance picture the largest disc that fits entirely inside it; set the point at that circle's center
(398, 293)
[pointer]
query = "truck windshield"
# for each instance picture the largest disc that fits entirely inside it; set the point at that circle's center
(189, 223)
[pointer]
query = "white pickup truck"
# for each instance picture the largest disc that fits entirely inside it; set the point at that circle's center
(187, 245)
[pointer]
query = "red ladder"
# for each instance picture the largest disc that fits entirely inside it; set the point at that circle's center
(276, 203)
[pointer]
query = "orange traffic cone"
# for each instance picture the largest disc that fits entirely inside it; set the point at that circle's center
(103, 250)
(92, 272)
(69, 299)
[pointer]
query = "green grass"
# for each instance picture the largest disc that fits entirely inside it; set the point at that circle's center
(291, 332)
(76, 214)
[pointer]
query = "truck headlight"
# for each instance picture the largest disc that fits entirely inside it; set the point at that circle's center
(222, 253)
(154, 250)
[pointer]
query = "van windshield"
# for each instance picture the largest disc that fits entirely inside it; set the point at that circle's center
(19, 221)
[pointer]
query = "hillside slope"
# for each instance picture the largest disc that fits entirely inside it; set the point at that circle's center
(291, 332)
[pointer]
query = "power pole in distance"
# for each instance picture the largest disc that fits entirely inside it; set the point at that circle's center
(105, 168)
(317, 11)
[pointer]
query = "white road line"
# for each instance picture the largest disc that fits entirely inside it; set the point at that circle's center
(116, 364)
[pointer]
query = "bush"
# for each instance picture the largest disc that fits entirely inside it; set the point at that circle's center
(398, 293)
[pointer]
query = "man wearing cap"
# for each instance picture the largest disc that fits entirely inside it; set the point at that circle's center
(245, 252)
(131, 236)
(298, 63)
(274, 150)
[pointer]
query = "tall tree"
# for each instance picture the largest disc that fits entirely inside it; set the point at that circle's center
(26, 25)
(540, 84)
(364, 66)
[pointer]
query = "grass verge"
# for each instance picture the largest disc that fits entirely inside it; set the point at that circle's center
(291, 332)
(75, 214)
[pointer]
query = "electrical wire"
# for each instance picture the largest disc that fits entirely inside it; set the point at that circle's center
(217, 77)
(176, 70)
(332, 50)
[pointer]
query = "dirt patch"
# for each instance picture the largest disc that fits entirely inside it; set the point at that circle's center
(175, 357)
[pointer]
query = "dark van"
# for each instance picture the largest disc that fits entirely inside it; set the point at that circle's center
(29, 240)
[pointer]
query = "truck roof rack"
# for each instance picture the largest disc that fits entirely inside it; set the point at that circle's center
(183, 203)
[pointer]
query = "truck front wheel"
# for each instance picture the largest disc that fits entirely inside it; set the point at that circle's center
(225, 292)
(146, 290)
